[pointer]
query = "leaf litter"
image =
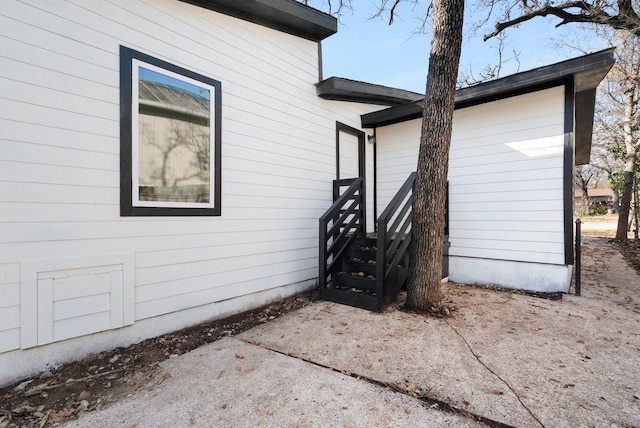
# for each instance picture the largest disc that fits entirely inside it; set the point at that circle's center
(100, 379)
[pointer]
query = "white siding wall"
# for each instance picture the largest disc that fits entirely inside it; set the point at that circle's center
(505, 177)
(369, 172)
(9, 306)
(59, 161)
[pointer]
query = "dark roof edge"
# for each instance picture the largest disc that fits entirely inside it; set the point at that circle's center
(586, 71)
(287, 16)
(340, 89)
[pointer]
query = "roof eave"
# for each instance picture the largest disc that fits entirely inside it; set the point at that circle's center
(288, 16)
(341, 89)
(586, 72)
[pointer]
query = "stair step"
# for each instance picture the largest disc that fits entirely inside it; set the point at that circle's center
(355, 282)
(363, 250)
(347, 297)
(355, 264)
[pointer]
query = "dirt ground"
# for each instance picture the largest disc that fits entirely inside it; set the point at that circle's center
(604, 226)
(98, 380)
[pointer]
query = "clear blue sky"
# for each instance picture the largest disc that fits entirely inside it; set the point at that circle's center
(372, 51)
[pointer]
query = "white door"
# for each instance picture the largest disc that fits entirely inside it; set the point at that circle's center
(349, 151)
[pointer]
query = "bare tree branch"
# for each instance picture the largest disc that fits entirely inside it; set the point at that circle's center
(393, 10)
(491, 71)
(600, 13)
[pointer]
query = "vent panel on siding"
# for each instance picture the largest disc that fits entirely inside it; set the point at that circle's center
(63, 299)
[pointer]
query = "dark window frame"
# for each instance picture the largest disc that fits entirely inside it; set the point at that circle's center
(128, 143)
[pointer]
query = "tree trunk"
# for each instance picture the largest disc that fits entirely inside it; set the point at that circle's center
(636, 208)
(625, 205)
(427, 233)
(629, 165)
(583, 201)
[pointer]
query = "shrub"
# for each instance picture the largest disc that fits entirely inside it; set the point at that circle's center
(601, 210)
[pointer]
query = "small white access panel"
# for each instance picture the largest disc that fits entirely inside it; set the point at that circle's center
(62, 299)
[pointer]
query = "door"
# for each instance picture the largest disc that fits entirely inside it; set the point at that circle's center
(350, 162)
(350, 156)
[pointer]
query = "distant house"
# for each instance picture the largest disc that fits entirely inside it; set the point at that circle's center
(597, 195)
(166, 163)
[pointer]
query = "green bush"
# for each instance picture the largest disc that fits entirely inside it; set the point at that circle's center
(601, 210)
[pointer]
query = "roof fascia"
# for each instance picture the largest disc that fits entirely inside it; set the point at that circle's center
(288, 16)
(340, 89)
(585, 71)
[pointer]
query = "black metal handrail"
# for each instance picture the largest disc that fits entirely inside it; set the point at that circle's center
(394, 239)
(339, 225)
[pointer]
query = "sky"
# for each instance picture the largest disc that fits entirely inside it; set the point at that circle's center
(372, 51)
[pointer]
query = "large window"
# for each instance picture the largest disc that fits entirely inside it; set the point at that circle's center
(170, 138)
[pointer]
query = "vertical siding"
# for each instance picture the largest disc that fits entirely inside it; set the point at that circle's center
(505, 176)
(59, 155)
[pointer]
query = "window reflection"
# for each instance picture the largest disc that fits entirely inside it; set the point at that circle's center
(173, 139)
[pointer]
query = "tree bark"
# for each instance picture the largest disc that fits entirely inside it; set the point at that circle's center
(427, 233)
(582, 207)
(629, 166)
(636, 208)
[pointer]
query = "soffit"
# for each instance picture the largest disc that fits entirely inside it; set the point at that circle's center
(288, 16)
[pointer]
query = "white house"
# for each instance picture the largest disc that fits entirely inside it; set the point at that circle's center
(165, 163)
(514, 146)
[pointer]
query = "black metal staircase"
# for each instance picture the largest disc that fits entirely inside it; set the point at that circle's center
(356, 279)
(360, 270)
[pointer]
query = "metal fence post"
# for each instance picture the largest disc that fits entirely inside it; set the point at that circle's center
(578, 256)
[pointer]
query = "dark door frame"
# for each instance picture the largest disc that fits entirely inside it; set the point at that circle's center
(341, 127)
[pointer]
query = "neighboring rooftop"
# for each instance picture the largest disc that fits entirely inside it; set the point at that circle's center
(172, 97)
(595, 193)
